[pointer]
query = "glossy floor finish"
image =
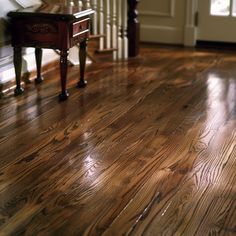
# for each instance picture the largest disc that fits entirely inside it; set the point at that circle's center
(148, 148)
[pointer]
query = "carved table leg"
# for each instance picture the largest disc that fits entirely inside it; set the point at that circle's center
(82, 59)
(63, 68)
(18, 64)
(38, 58)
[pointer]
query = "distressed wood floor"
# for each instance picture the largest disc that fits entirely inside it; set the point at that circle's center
(148, 148)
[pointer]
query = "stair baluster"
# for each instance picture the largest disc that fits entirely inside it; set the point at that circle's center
(114, 29)
(101, 24)
(124, 30)
(94, 17)
(87, 4)
(119, 21)
(115, 23)
(108, 26)
(79, 3)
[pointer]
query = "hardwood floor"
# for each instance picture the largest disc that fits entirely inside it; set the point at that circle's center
(148, 148)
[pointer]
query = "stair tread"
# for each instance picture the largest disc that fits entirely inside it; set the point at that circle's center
(106, 50)
(97, 36)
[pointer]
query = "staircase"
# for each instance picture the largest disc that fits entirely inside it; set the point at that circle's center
(114, 28)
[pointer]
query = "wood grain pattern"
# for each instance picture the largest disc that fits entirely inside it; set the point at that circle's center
(148, 148)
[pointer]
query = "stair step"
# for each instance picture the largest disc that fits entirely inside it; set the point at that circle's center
(106, 50)
(92, 53)
(97, 36)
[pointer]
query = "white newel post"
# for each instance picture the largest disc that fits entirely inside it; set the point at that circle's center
(101, 24)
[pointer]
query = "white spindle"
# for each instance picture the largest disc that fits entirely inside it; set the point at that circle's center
(95, 17)
(108, 22)
(114, 28)
(80, 4)
(70, 3)
(124, 29)
(101, 24)
(119, 29)
(109, 18)
(87, 4)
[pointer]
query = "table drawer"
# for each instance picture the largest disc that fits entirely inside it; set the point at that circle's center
(78, 39)
(80, 27)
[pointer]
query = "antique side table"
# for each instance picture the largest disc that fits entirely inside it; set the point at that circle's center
(50, 26)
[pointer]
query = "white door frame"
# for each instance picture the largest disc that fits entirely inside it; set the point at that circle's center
(190, 30)
(189, 34)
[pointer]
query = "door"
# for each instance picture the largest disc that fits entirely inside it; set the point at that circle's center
(217, 20)
(162, 21)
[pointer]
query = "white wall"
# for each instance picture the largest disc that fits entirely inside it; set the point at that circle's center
(167, 21)
(7, 72)
(5, 47)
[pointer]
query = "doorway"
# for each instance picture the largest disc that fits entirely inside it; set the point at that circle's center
(217, 20)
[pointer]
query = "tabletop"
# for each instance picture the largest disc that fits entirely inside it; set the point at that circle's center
(67, 12)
